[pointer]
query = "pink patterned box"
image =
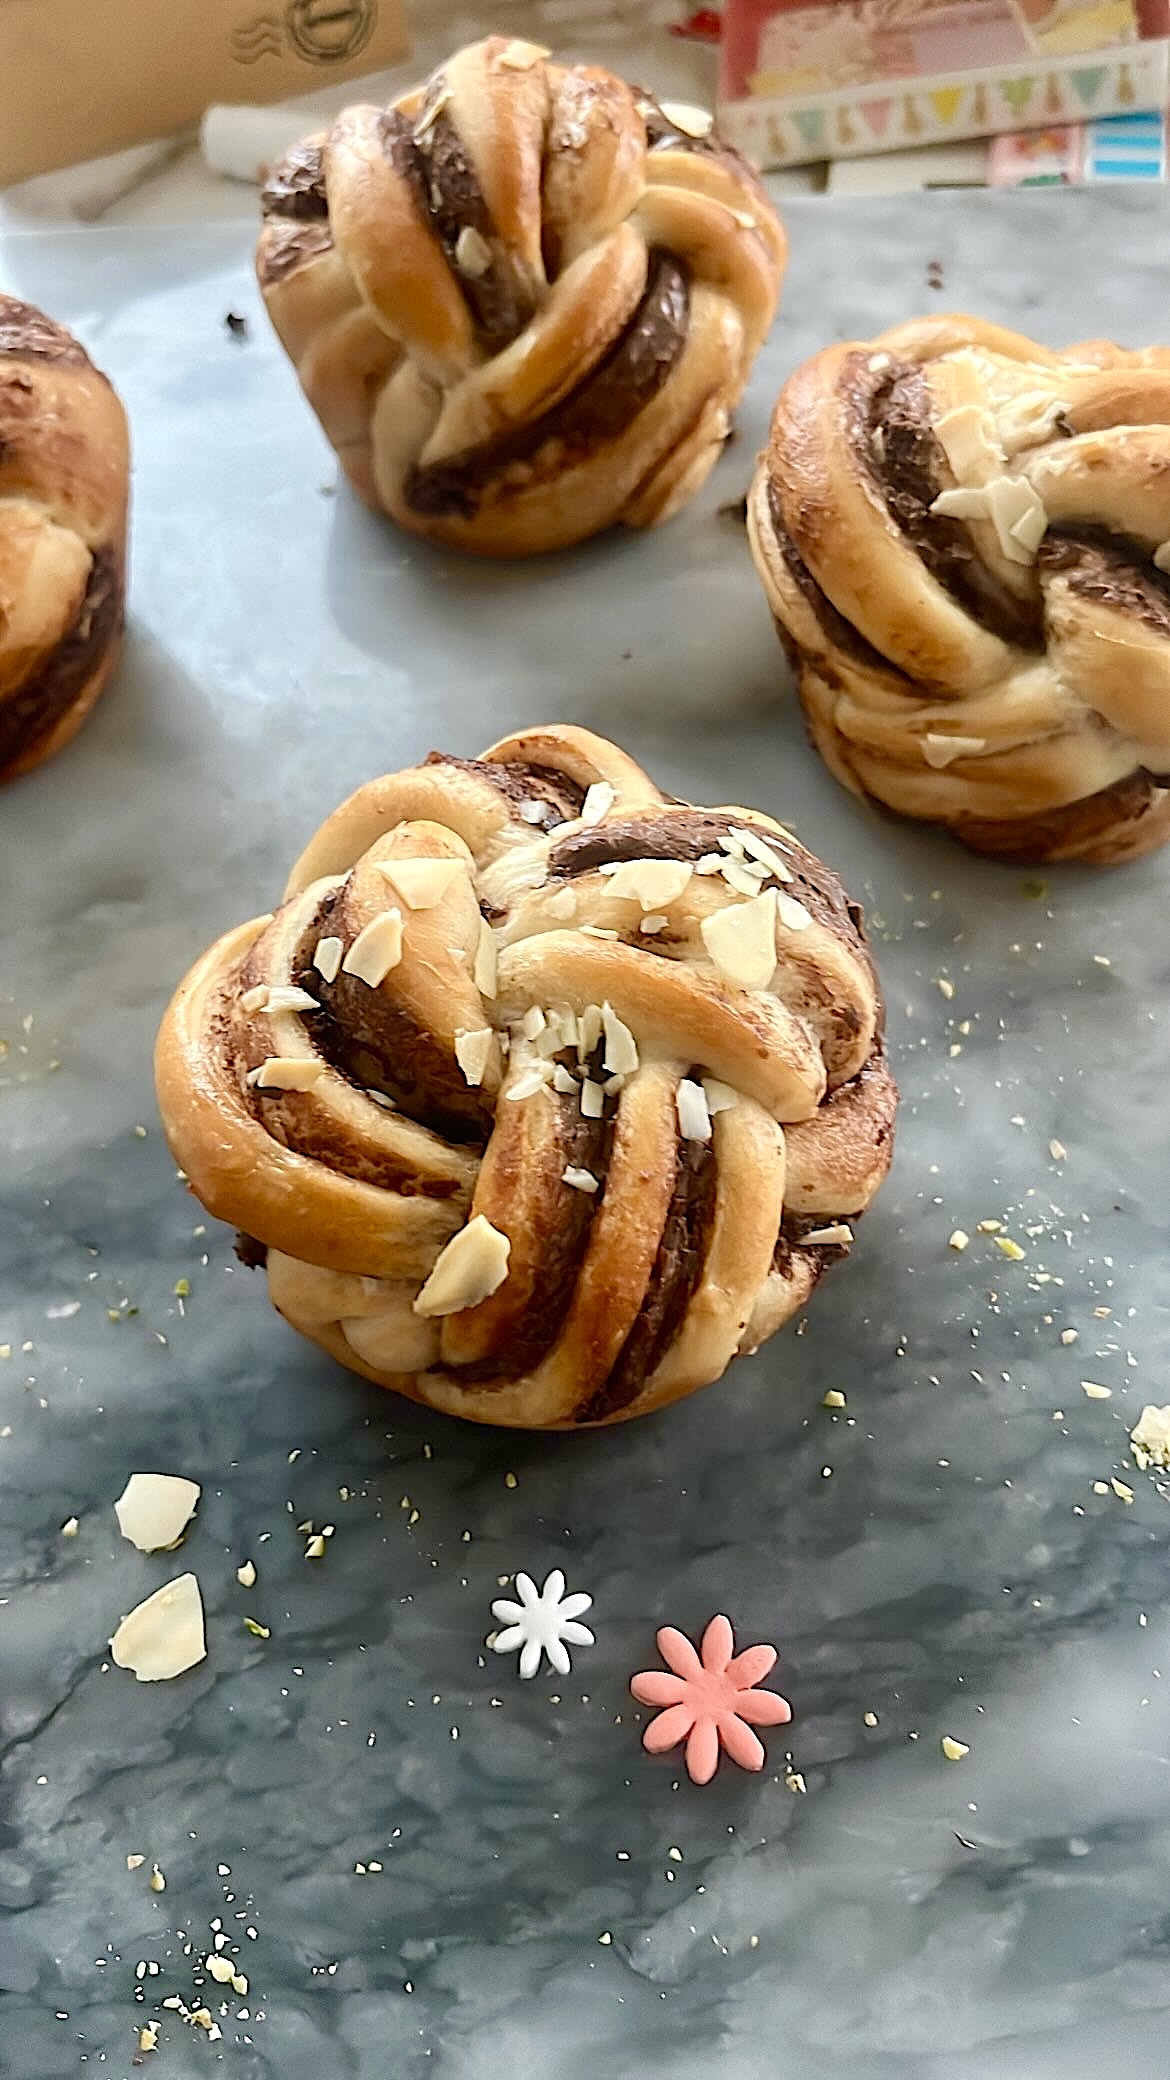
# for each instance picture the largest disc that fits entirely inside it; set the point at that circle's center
(828, 79)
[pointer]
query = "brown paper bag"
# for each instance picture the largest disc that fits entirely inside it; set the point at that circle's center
(81, 77)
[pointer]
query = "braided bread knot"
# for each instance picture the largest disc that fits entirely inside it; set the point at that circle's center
(522, 300)
(64, 483)
(964, 539)
(543, 1093)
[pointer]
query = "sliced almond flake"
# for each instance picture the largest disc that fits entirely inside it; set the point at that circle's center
(711, 863)
(1150, 1436)
(382, 1099)
(246, 1575)
(562, 903)
(327, 957)
(758, 848)
(563, 1081)
(741, 941)
(1121, 1489)
(431, 114)
(588, 1031)
(688, 120)
(533, 1022)
(1094, 1391)
(219, 1968)
(285, 996)
(968, 438)
(614, 1084)
(472, 1051)
(599, 931)
(519, 56)
(164, 1636)
(746, 880)
(792, 915)
(621, 1048)
(940, 751)
(255, 999)
(422, 883)
(473, 256)
(651, 883)
(721, 1097)
(953, 1750)
(694, 1120)
(592, 1099)
(834, 1398)
(283, 1072)
(581, 1180)
(877, 362)
(70, 1527)
(654, 923)
(599, 800)
(958, 1239)
(154, 1510)
(839, 1233)
(533, 812)
(468, 1270)
(377, 949)
(530, 1081)
(486, 960)
(1012, 505)
(1057, 1151)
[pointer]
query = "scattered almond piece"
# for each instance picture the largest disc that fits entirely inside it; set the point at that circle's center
(953, 1750)
(741, 941)
(958, 1239)
(1008, 1248)
(1120, 1489)
(283, 1072)
(869, 1718)
(156, 1881)
(1057, 1151)
(135, 1863)
(70, 1527)
(246, 1575)
(422, 883)
(1150, 1436)
(154, 1510)
(1094, 1391)
(833, 1399)
(376, 950)
(164, 1636)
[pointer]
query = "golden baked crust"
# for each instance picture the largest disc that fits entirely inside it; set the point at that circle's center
(64, 482)
(523, 300)
(530, 997)
(963, 538)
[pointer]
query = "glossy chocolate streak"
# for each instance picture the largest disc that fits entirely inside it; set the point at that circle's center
(432, 157)
(622, 384)
(1111, 571)
(677, 1270)
(375, 1043)
(583, 1144)
(296, 186)
(521, 782)
(913, 469)
(26, 333)
(36, 707)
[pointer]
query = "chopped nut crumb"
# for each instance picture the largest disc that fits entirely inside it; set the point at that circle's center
(958, 1239)
(953, 1750)
(157, 1881)
(246, 1575)
(1094, 1391)
(70, 1527)
(833, 1399)
(870, 1718)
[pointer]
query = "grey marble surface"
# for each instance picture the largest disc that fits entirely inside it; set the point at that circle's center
(937, 1555)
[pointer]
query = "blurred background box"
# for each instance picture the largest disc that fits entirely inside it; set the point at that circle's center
(814, 79)
(82, 77)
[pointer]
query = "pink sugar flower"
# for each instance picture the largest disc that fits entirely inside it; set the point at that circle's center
(712, 1702)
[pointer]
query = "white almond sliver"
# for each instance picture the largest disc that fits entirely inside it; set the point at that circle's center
(688, 120)
(255, 999)
(283, 1072)
(588, 1030)
(473, 1265)
(760, 849)
(471, 1053)
(598, 802)
(564, 1081)
(473, 256)
(486, 960)
(421, 882)
(741, 941)
(720, 1096)
(519, 56)
(327, 957)
(694, 1120)
(285, 996)
(840, 1232)
(792, 914)
(581, 1180)
(377, 949)
(592, 1099)
(746, 880)
(164, 1636)
(530, 1081)
(940, 751)
(533, 1022)
(154, 1510)
(651, 883)
(653, 924)
(1012, 505)
(621, 1048)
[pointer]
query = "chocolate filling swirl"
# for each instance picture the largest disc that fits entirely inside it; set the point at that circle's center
(35, 708)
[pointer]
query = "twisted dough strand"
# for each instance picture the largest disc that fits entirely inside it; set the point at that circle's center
(963, 538)
(522, 300)
(542, 1093)
(64, 474)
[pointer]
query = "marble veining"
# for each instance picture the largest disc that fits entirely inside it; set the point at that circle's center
(553, 1903)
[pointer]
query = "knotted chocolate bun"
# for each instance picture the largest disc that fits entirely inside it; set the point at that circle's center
(64, 478)
(523, 300)
(543, 1093)
(964, 539)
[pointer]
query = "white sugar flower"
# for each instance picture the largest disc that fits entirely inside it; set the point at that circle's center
(544, 1620)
